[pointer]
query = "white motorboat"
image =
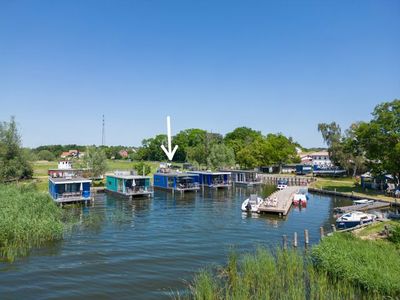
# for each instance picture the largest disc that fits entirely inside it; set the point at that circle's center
(354, 218)
(363, 201)
(251, 204)
(300, 199)
(282, 184)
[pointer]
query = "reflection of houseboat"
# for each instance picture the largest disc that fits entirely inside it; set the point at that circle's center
(245, 177)
(213, 179)
(173, 181)
(69, 189)
(128, 185)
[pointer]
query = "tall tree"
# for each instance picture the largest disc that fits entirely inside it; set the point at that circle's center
(221, 156)
(241, 137)
(14, 163)
(380, 138)
(96, 161)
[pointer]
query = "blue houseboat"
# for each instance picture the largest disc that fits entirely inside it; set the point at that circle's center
(213, 179)
(245, 177)
(128, 185)
(70, 189)
(181, 182)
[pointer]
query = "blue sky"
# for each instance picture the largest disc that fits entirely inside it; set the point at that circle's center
(275, 66)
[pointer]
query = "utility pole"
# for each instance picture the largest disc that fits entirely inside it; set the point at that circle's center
(103, 133)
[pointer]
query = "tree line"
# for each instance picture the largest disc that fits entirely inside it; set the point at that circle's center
(243, 146)
(373, 145)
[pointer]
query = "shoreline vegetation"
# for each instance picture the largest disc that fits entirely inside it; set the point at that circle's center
(341, 266)
(28, 219)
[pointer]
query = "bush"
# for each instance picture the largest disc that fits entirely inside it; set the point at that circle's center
(394, 236)
(46, 155)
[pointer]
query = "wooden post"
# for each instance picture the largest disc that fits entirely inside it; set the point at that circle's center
(321, 232)
(284, 241)
(295, 240)
(386, 230)
(333, 227)
(306, 239)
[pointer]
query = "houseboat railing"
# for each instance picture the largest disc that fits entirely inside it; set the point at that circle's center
(138, 190)
(68, 195)
(183, 186)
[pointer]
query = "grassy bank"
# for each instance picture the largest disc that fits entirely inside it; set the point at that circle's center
(348, 185)
(28, 218)
(372, 265)
(263, 275)
(340, 267)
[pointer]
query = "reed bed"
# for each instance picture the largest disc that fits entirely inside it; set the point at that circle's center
(28, 219)
(280, 275)
(372, 265)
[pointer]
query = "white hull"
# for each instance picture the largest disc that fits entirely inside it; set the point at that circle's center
(251, 204)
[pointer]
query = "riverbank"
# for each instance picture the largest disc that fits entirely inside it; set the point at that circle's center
(347, 187)
(334, 269)
(28, 218)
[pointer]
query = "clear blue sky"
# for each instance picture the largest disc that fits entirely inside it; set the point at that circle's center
(275, 66)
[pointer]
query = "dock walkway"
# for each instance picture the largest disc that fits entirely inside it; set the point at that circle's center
(362, 207)
(279, 202)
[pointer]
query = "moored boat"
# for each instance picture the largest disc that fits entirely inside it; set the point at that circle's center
(300, 199)
(252, 203)
(363, 201)
(353, 219)
(282, 184)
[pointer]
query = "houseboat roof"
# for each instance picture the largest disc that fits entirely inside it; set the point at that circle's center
(210, 173)
(176, 174)
(64, 180)
(239, 171)
(122, 176)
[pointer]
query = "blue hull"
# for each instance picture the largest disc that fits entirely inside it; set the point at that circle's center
(349, 224)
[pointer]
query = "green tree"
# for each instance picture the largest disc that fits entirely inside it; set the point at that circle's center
(380, 139)
(221, 156)
(241, 137)
(142, 168)
(14, 163)
(96, 161)
(46, 155)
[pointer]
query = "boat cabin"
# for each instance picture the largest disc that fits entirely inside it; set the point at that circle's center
(128, 185)
(176, 181)
(213, 179)
(70, 189)
(245, 177)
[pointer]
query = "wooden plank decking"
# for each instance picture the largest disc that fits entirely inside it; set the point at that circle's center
(283, 201)
(362, 207)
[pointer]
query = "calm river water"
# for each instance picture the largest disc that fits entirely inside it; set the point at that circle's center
(146, 249)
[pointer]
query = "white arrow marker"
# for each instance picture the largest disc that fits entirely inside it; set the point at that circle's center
(170, 153)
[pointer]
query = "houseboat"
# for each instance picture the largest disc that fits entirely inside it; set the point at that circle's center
(213, 179)
(174, 181)
(128, 185)
(70, 189)
(65, 169)
(245, 177)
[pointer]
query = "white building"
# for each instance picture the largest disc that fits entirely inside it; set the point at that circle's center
(320, 159)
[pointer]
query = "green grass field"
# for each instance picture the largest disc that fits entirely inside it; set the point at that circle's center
(347, 185)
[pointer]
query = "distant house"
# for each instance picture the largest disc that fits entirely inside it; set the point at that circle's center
(123, 153)
(318, 159)
(71, 154)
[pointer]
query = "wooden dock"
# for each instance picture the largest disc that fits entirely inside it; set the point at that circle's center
(279, 202)
(362, 207)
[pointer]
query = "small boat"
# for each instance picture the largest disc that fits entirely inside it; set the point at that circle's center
(353, 219)
(251, 204)
(282, 184)
(363, 201)
(300, 199)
